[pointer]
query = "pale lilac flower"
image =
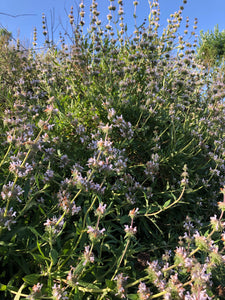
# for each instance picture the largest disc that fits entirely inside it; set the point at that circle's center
(49, 151)
(111, 113)
(143, 291)
(95, 233)
(200, 295)
(223, 236)
(53, 225)
(201, 241)
(176, 284)
(155, 273)
(80, 129)
(36, 292)
(130, 230)
(216, 224)
(45, 138)
(88, 256)
(120, 280)
(101, 209)
(106, 128)
(152, 167)
(8, 219)
(37, 288)
(63, 161)
(133, 213)
(50, 109)
(199, 274)
(59, 293)
(11, 191)
(75, 209)
(66, 204)
(48, 175)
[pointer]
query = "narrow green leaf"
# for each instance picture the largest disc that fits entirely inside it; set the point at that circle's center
(133, 297)
(39, 248)
(39, 258)
(167, 203)
(36, 180)
(88, 285)
(35, 232)
(26, 188)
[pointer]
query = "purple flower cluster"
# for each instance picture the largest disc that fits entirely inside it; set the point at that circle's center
(59, 293)
(54, 225)
(7, 218)
(66, 203)
(120, 281)
(11, 191)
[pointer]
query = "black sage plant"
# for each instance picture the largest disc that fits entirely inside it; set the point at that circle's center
(112, 163)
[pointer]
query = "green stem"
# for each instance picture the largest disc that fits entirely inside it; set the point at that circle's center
(165, 208)
(81, 234)
(121, 259)
(7, 152)
(136, 282)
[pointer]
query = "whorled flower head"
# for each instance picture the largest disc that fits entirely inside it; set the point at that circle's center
(7, 219)
(11, 191)
(200, 275)
(88, 256)
(130, 230)
(120, 280)
(133, 213)
(95, 233)
(201, 241)
(36, 292)
(143, 291)
(59, 293)
(216, 224)
(66, 204)
(53, 225)
(100, 210)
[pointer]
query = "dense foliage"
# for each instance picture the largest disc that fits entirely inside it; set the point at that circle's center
(112, 160)
(211, 48)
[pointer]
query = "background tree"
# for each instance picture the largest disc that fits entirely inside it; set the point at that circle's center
(211, 48)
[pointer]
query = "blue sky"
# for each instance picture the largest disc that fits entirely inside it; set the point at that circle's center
(208, 12)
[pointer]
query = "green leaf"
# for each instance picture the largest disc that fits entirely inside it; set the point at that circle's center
(2, 243)
(39, 248)
(54, 256)
(3, 287)
(26, 188)
(41, 209)
(88, 285)
(133, 297)
(110, 283)
(36, 180)
(31, 278)
(39, 258)
(167, 203)
(36, 233)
